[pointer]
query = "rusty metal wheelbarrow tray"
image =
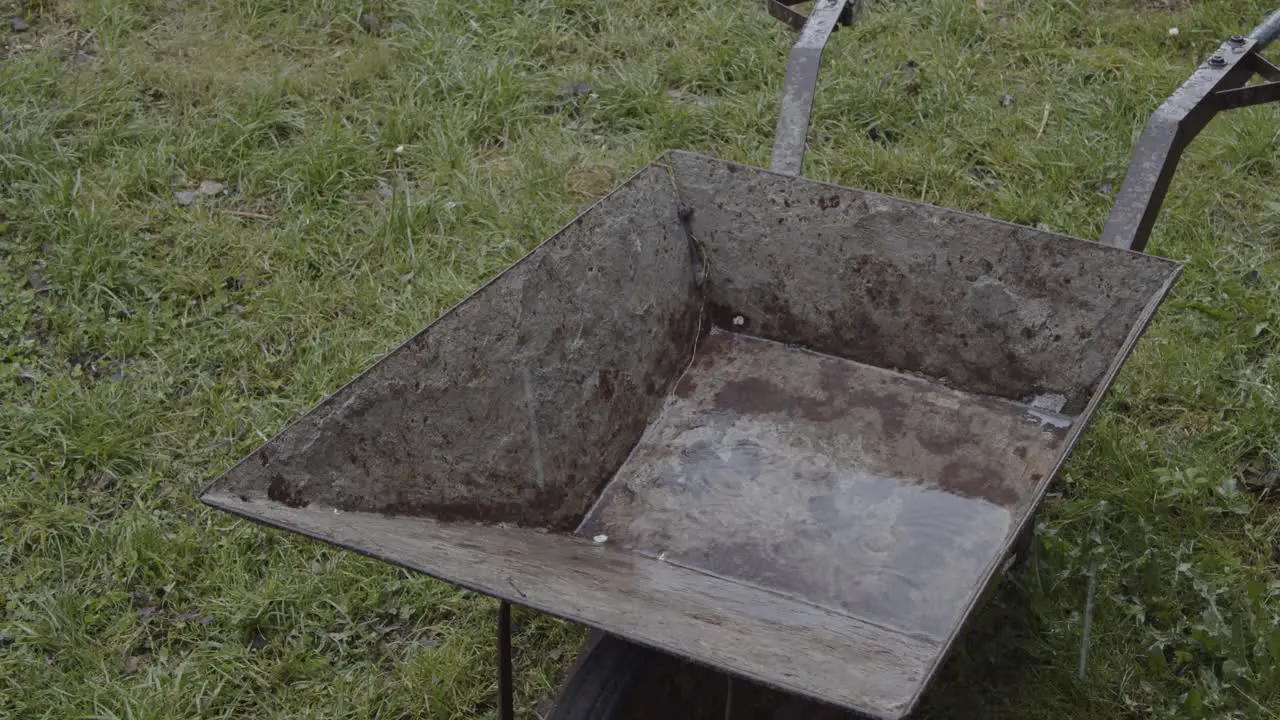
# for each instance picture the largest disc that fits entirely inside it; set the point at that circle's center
(780, 427)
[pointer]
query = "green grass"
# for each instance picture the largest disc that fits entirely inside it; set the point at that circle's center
(145, 345)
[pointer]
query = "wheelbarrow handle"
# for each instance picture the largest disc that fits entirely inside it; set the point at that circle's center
(1266, 32)
(1220, 83)
(801, 82)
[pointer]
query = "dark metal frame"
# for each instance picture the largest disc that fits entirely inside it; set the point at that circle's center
(506, 687)
(1219, 84)
(802, 79)
(782, 10)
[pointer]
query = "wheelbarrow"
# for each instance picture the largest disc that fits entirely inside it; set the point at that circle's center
(783, 429)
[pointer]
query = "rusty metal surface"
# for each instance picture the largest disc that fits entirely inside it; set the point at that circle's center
(752, 632)
(800, 85)
(987, 306)
(865, 491)
(473, 450)
(1218, 84)
(519, 403)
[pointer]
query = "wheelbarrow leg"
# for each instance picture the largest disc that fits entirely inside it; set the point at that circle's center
(506, 689)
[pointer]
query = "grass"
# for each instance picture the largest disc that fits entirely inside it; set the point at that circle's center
(374, 178)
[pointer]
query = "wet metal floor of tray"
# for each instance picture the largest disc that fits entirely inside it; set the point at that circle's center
(859, 490)
(781, 428)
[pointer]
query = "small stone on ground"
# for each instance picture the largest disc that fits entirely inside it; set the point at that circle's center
(211, 187)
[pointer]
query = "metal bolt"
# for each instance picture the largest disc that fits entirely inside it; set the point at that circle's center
(1237, 39)
(1217, 61)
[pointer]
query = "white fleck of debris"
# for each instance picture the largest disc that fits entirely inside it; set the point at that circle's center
(451, 204)
(1047, 409)
(211, 188)
(739, 321)
(1053, 402)
(1173, 32)
(662, 556)
(335, 511)
(601, 539)
(399, 150)
(1047, 417)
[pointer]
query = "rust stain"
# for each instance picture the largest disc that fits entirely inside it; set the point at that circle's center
(606, 379)
(283, 492)
(686, 386)
(759, 396)
(973, 480)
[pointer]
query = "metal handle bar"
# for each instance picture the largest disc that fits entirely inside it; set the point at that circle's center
(1220, 83)
(1266, 32)
(802, 81)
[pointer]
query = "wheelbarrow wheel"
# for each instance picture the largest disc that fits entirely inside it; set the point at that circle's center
(600, 681)
(614, 679)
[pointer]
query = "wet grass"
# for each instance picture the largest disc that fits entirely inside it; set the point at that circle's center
(374, 173)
